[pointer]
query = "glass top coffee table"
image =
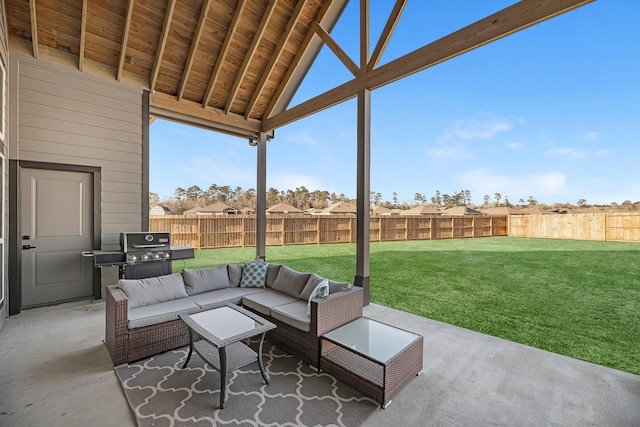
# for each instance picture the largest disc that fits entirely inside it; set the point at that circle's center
(216, 334)
(373, 357)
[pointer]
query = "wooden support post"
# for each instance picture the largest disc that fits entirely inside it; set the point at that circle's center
(261, 196)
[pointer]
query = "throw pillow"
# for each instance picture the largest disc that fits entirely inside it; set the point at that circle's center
(254, 275)
(201, 280)
(289, 281)
(321, 291)
(153, 290)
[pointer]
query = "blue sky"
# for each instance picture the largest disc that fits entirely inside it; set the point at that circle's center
(551, 112)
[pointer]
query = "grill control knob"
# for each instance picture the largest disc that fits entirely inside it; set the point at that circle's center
(156, 256)
(133, 259)
(144, 257)
(167, 255)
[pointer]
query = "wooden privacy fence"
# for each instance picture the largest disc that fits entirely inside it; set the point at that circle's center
(238, 231)
(623, 227)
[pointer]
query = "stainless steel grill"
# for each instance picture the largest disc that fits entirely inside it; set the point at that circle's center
(143, 254)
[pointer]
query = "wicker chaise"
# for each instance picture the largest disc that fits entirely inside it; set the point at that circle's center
(127, 344)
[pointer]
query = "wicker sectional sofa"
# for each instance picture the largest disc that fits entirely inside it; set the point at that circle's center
(142, 315)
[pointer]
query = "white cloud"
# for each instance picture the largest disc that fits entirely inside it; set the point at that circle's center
(480, 128)
(451, 144)
(514, 145)
(569, 153)
(592, 136)
(542, 186)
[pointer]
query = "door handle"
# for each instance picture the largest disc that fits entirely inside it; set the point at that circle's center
(28, 247)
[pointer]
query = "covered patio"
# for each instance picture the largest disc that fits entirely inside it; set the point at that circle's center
(54, 367)
(55, 370)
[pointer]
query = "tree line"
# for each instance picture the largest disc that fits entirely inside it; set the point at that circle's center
(303, 199)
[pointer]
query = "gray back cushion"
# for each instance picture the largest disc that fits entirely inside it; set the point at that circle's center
(290, 282)
(272, 273)
(153, 290)
(201, 280)
(235, 274)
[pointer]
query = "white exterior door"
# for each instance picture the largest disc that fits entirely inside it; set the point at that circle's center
(56, 227)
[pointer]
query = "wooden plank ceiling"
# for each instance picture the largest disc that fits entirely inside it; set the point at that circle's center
(230, 65)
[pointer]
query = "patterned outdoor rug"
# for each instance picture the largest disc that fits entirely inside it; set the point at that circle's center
(161, 393)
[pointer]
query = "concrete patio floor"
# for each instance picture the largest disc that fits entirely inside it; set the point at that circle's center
(55, 371)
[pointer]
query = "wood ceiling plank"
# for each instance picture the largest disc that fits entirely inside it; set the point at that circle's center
(284, 38)
(125, 39)
(224, 52)
(163, 42)
(385, 36)
(193, 48)
(240, 76)
(507, 21)
(301, 52)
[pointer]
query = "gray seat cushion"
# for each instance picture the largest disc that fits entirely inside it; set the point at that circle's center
(293, 314)
(159, 313)
(218, 298)
(263, 302)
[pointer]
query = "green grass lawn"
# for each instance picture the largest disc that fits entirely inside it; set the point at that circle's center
(576, 298)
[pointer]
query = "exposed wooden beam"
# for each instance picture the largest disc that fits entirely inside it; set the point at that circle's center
(34, 28)
(336, 49)
(83, 33)
(125, 39)
(250, 54)
(163, 42)
(223, 51)
(168, 107)
(364, 34)
(194, 46)
(514, 18)
(295, 15)
(385, 36)
(302, 51)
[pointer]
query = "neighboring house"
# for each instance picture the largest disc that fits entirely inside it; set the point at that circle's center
(160, 211)
(422, 210)
(501, 210)
(381, 210)
(217, 208)
(340, 208)
(283, 209)
(461, 210)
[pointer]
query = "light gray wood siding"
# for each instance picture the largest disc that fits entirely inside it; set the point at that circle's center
(65, 116)
(4, 174)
